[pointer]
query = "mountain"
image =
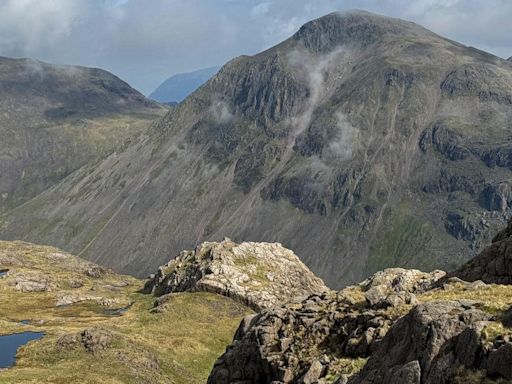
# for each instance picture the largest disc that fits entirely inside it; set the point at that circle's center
(54, 119)
(361, 142)
(178, 87)
(510, 58)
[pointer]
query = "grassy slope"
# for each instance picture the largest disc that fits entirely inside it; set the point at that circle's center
(178, 345)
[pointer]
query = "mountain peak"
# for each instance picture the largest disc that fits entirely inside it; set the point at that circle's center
(354, 27)
(510, 58)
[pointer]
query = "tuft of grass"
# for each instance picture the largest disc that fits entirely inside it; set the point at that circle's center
(493, 298)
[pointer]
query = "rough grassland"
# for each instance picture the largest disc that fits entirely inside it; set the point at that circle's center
(179, 345)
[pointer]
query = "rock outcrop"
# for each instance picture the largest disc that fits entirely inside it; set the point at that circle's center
(493, 264)
(259, 275)
(302, 342)
(436, 343)
(322, 336)
(396, 286)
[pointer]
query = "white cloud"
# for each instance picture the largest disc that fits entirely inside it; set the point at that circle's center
(32, 25)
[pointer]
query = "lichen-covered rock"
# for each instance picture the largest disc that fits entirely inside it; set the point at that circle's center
(260, 275)
(308, 341)
(96, 339)
(32, 282)
(396, 286)
(493, 264)
(64, 300)
(429, 345)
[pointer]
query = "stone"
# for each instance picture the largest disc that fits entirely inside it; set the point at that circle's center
(313, 373)
(500, 361)
(96, 340)
(506, 318)
(409, 373)
(396, 286)
(32, 282)
(68, 341)
(96, 271)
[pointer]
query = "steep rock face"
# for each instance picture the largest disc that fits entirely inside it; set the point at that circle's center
(320, 337)
(435, 343)
(54, 119)
(259, 275)
(493, 264)
(362, 142)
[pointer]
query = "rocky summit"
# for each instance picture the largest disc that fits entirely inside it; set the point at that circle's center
(259, 275)
(362, 142)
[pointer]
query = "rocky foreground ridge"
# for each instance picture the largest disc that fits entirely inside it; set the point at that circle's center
(399, 326)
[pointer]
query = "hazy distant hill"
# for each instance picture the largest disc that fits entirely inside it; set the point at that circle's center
(361, 142)
(177, 87)
(54, 119)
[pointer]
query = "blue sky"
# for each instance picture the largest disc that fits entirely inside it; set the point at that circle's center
(146, 41)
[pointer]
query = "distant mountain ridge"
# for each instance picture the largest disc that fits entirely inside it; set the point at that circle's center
(179, 86)
(55, 118)
(361, 142)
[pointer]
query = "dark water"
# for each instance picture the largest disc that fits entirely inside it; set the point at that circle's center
(3, 272)
(9, 344)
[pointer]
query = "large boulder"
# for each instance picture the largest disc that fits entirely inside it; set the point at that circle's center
(395, 286)
(433, 344)
(493, 264)
(259, 275)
